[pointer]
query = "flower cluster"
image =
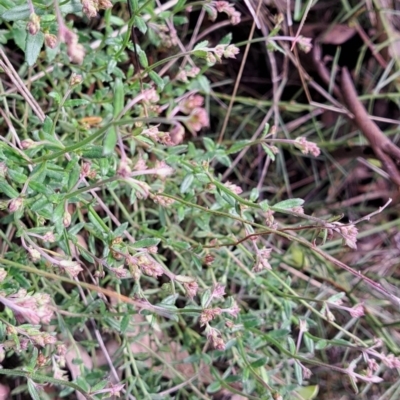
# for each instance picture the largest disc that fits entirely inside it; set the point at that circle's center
(216, 7)
(348, 232)
(307, 147)
(26, 307)
(91, 7)
(188, 72)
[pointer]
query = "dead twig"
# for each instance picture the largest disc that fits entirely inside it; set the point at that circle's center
(387, 152)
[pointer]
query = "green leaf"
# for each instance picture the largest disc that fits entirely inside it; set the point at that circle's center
(321, 344)
(143, 243)
(186, 183)
(201, 45)
(17, 176)
(125, 323)
(8, 190)
(288, 204)
(19, 34)
(76, 102)
(40, 187)
(33, 391)
(268, 151)
(298, 373)
(16, 13)
(93, 152)
(143, 59)
(110, 141)
(237, 146)
(157, 79)
(214, 387)
(307, 392)
(209, 144)
(33, 45)
(140, 24)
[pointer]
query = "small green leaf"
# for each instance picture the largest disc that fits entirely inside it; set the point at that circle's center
(321, 344)
(125, 323)
(288, 204)
(268, 151)
(140, 24)
(186, 183)
(157, 79)
(40, 187)
(209, 144)
(201, 45)
(76, 102)
(16, 13)
(33, 45)
(93, 152)
(8, 190)
(237, 146)
(110, 141)
(32, 390)
(214, 387)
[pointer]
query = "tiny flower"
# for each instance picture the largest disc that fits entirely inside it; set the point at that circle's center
(235, 18)
(215, 338)
(15, 204)
(3, 169)
(219, 51)
(349, 234)
(209, 259)
(75, 79)
(307, 147)
(66, 219)
(163, 170)
(140, 165)
(177, 134)
(33, 26)
(269, 217)
(208, 315)
(75, 51)
(231, 51)
(34, 254)
(391, 361)
(234, 310)
(373, 366)
(72, 267)
(218, 291)
(50, 40)
(104, 4)
(27, 144)
(357, 311)
(3, 274)
(162, 200)
(85, 169)
(188, 104)
(120, 272)
(191, 289)
(151, 95)
(197, 120)
(89, 8)
(304, 44)
(233, 188)
(306, 372)
(298, 209)
(182, 76)
(303, 325)
(149, 266)
(124, 170)
(49, 237)
(210, 58)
